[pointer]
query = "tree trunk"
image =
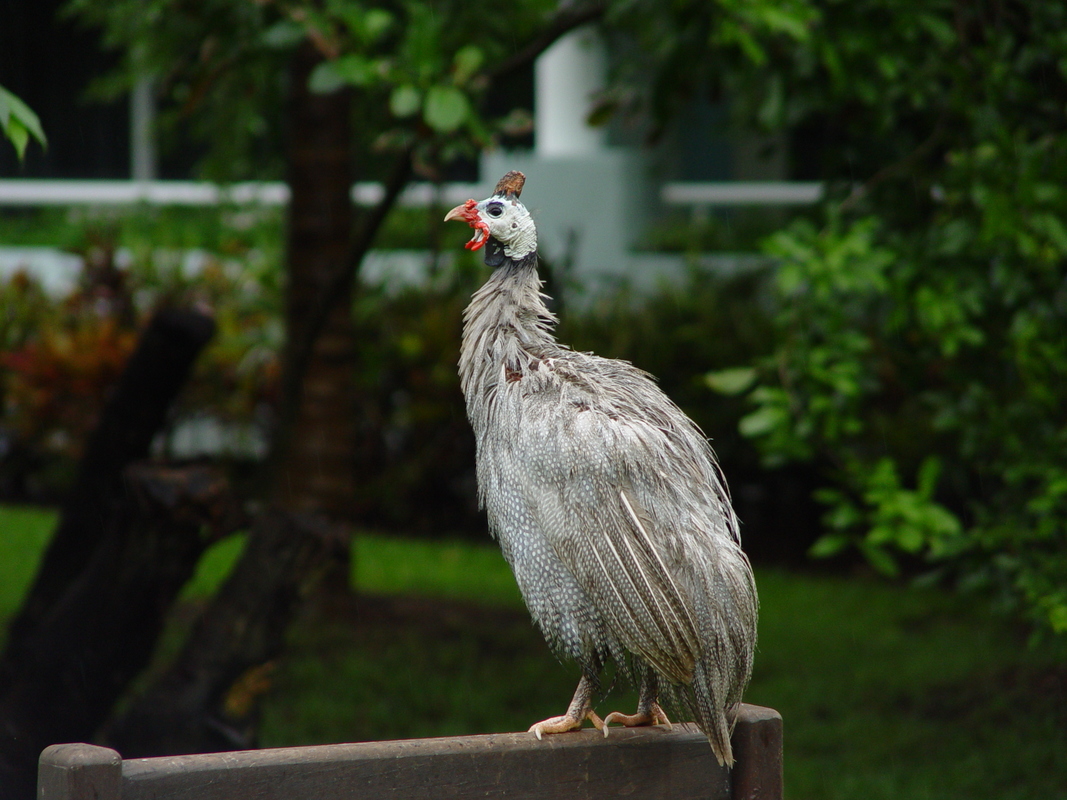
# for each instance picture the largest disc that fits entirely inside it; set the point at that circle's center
(314, 457)
(208, 698)
(99, 635)
(150, 382)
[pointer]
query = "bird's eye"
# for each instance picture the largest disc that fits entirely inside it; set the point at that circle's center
(494, 210)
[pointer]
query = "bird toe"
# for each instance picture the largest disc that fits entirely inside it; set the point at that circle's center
(654, 716)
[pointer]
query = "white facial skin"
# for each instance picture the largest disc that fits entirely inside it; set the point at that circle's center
(503, 218)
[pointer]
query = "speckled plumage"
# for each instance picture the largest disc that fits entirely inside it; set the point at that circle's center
(606, 499)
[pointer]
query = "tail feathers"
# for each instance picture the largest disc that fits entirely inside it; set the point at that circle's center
(711, 717)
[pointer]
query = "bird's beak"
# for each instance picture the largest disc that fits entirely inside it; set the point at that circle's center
(469, 214)
(463, 212)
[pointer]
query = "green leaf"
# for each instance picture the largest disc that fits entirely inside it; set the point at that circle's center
(357, 70)
(365, 25)
(19, 123)
(843, 516)
(446, 108)
(929, 473)
(828, 545)
(731, 381)
(348, 70)
(761, 421)
(910, 539)
(878, 558)
(939, 28)
(467, 61)
(283, 34)
(794, 20)
(405, 101)
(18, 135)
(325, 78)
(376, 21)
(1057, 617)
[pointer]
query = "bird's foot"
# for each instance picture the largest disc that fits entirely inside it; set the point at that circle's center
(565, 723)
(653, 716)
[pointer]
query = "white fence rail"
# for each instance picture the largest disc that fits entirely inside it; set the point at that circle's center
(24, 192)
(16, 192)
(742, 193)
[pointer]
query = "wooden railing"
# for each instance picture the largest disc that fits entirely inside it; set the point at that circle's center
(646, 763)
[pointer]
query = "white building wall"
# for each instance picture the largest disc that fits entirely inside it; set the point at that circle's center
(567, 77)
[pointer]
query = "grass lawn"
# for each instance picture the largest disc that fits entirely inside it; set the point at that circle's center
(886, 691)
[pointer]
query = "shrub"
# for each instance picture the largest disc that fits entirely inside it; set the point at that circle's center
(926, 367)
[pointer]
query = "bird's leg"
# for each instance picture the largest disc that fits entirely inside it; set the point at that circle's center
(648, 709)
(580, 709)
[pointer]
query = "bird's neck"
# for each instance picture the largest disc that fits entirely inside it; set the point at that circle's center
(506, 323)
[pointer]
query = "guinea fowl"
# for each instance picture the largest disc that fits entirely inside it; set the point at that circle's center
(606, 499)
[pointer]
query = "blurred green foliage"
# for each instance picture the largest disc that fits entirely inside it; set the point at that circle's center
(418, 73)
(62, 352)
(921, 325)
(724, 230)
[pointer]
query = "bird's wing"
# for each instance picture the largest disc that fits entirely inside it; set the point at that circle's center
(586, 472)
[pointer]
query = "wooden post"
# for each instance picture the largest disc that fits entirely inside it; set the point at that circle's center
(651, 763)
(79, 772)
(757, 742)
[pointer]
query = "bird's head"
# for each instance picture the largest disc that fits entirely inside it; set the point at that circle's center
(501, 217)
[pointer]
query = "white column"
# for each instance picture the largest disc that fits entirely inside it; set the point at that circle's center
(566, 77)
